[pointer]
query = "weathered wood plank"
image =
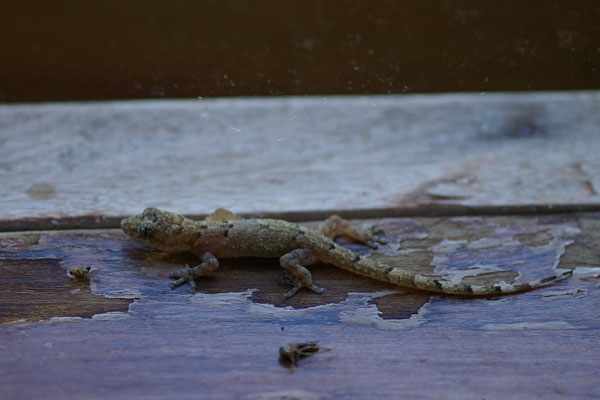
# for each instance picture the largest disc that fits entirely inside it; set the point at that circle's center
(222, 341)
(406, 154)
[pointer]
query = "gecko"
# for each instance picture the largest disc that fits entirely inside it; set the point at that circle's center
(224, 234)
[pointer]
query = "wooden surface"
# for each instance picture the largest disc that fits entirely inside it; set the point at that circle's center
(222, 341)
(82, 164)
(531, 160)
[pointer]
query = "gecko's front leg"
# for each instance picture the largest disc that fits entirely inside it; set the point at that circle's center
(187, 275)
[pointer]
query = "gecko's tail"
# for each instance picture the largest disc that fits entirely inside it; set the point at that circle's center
(441, 286)
(350, 261)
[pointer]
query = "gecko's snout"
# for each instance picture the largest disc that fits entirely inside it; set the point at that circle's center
(125, 225)
(140, 226)
(130, 226)
(151, 225)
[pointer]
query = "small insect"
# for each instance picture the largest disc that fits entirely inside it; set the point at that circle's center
(79, 272)
(291, 353)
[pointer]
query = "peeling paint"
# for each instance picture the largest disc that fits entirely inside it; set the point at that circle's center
(486, 243)
(271, 311)
(102, 287)
(111, 316)
(108, 316)
(370, 315)
(448, 246)
(357, 309)
(222, 299)
(403, 252)
(61, 320)
(500, 252)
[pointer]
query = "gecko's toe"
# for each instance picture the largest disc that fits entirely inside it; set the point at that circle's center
(184, 272)
(177, 283)
(292, 292)
(299, 286)
(375, 241)
(182, 276)
(371, 234)
(373, 244)
(317, 289)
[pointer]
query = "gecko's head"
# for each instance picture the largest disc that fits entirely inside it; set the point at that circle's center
(162, 230)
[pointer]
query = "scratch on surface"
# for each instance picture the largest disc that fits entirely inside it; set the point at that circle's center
(441, 189)
(589, 186)
(587, 274)
(550, 295)
(292, 394)
(521, 326)
(587, 182)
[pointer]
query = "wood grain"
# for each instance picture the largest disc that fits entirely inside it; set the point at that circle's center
(85, 165)
(222, 341)
(38, 289)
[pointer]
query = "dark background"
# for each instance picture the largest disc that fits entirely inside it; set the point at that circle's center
(77, 50)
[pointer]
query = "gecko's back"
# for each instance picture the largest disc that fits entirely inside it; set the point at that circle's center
(267, 238)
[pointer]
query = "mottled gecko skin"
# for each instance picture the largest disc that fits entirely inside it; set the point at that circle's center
(224, 235)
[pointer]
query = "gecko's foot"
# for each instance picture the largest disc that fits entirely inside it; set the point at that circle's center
(187, 275)
(371, 236)
(289, 279)
(295, 289)
(183, 276)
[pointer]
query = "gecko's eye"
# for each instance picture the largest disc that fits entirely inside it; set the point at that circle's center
(151, 213)
(146, 229)
(148, 225)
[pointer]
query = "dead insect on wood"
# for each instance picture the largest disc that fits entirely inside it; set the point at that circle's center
(291, 353)
(79, 272)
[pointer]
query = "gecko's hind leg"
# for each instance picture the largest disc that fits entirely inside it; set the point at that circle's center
(335, 226)
(294, 263)
(221, 214)
(187, 275)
